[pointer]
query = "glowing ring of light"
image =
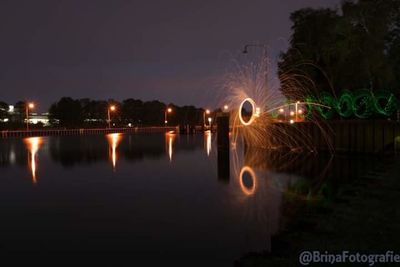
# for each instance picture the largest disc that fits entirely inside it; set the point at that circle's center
(246, 190)
(344, 105)
(363, 103)
(389, 105)
(328, 101)
(253, 114)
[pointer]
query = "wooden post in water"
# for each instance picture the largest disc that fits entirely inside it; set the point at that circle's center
(223, 130)
(223, 146)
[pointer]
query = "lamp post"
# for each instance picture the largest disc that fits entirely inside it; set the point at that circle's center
(282, 111)
(168, 110)
(207, 111)
(109, 110)
(297, 109)
(28, 106)
(246, 47)
(264, 47)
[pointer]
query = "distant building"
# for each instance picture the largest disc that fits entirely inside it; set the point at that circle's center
(35, 118)
(13, 114)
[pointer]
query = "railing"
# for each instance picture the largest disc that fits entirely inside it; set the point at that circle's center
(354, 136)
(84, 131)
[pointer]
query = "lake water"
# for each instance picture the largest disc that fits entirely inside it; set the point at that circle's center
(158, 198)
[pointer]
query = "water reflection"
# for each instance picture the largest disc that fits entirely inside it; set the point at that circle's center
(207, 138)
(169, 143)
(248, 180)
(113, 140)
(12, 155)
(71, 151)
(33, 144)
(241, 214)
(223, 162)
(12, 152)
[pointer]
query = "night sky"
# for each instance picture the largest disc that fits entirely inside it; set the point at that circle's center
(174, 51)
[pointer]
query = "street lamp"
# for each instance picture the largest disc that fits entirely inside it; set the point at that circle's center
(207, 111)
(264, 47)
(28, 106)
(209, 121)
(110, 109)
(297, 109)
(226, 107)
(168, 110)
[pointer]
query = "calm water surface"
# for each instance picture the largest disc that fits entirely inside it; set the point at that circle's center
(155, 198)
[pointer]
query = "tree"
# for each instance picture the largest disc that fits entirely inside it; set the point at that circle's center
(3, 110)
(19, 111)
(84, 112)
(67, 111)
(94, 110)
(153, 113)
(330, 52)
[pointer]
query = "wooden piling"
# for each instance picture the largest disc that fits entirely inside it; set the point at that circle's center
(223, 131)
(223, 146)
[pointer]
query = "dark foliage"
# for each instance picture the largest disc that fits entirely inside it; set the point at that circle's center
(357, 48)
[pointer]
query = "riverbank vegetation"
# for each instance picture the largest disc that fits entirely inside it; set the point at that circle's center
(355, 46)
(72, 113)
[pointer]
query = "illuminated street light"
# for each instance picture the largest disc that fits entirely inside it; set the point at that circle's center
(28, 106)
(291, 113)
(226, 107)
(110, 108)
(209, 121)
(168, 110)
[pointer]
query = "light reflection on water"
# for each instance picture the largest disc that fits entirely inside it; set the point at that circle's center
(181, 208)
(113, 140)
(208, 141)
(247, 173)
(33, 144)
(169, 143)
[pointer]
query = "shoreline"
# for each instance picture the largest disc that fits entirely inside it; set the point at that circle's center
(84, 131)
